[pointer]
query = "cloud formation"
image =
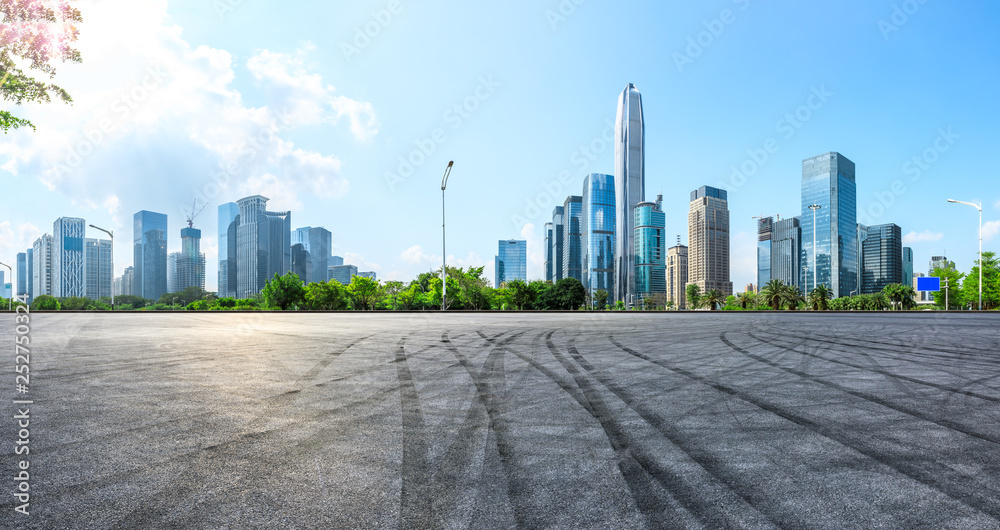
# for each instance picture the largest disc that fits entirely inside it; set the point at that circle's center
(922, 237)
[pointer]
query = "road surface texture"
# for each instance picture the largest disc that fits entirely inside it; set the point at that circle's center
(284, 420)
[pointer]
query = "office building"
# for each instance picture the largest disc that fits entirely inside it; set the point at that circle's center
(41, 271)
(677, 275)
(190, 260)
(557, 248)
(650, 251)
(68, 259)
(263, 245)
(750, 288)
(301, 261)
(30, 274)
(630, 186)
(335, 261)
(908, 267)
(882, 262)
(920, 297)
(511, 262)
(317, 243)
(598, 233)
(149, 238)
(939, 262)
(343, 273)
(573, 238)
(548, 251)
(828, 181)
(125, 284)
(368, 274)
(228, 220)
(786, 256)
(765, 228)
(708, 240)
(100, 276)
(21, 271)
(172, 271)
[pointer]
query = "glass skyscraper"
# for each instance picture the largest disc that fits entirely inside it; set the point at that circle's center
(263, 245)
(765, 227)
(908, 266)
(828, 181)
(68, 259)
(557, 248)
(41, 270)
(511, 262)
(883, 258)
(149, 238)
(786, 257)
(549, 245)
(343, 273)
(598, 233)
(228, 214)
(317, 242)
(573, 238)
(630, 185)
(190, 261)
(100, 277)
(22, 274)
(650, 249)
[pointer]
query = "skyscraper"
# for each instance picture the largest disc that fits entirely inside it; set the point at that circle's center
(650, 249)
(30, 274)
(677, 275)
(317, 242)
(190, 260)
(828, 181)
(228, 214)
(511, 262)
(68, 259)
(786, 256)
(549, 245)
(558, 246)
(765, 228)
(41, 271)
(939, 262)
(100, 276)
(908, 267)
(708, 234)
(22, 275)
(263, 245)
(172, 271)
(630, 185)
(301, 261)
(598, 233)
(343, 273)
(572, 238)
(883, 258)
(125, 284)
(149, 238)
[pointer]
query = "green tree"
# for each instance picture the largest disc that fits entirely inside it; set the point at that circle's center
(137, 302)
(74, 303)
(326, 296)
(520, 295)
(745, 299)
(991, 283)
(365, 292)
(284, 291)
(956, 295)
(693, 292)
(46, 302)
(819, 298)
(792, 297)
(567, 294)
(713, 299)
(601, 299)
(390, 293)
(773, 294)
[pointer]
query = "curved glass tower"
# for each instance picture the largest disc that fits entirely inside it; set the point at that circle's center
(630, 183)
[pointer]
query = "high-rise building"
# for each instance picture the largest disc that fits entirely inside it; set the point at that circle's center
(598, 233)
(862, 236)
(750, 288)
(149, 238)
(172, 271)
(263, 245)
(708, 234)
(786, 256)
(920, 296)
(190, 261)
(828, 181)
(908, 267)
(511, 262)
(630, 186)
(125, 284)
(22, 275)
(343, 273)
(100, 275)
(68, 260)
(317, 242)
(549, 245)
(301, 261)
(939, 262)
(650, 249)
(30, 274)
(228, 219)
(335, 261)
(883, 258)
(677, 275)
(765, 228)
(368, 274)
(41, 271)
(558, 245)
(573, 238)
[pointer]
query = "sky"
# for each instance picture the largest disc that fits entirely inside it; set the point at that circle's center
(346, 114)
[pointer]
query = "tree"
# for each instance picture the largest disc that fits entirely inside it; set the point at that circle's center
(33, 31)
(820, 297)
(326, 296)
(693, 295)
(772, 294)
(521, 295)
(601, 299)
(284, 291)
(991, 283)
(713, 299)
(955, 295)
(745, 299)
(137, 302)
(365, 292)
(46, 302)
(792, 296)
(568, 294)
(391, 291)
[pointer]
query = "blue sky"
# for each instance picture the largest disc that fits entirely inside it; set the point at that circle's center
(307, 112)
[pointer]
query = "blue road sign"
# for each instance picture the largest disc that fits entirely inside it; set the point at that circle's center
(929, 284)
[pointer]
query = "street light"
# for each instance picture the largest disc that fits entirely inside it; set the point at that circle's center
(10, 303)
(980, 208)
(444, 254)
(814, 207)
(112, 236)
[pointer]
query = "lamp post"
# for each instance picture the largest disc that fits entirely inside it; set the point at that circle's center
(112, 236)
(10, 302)
(980, 208)
(814, 207)
(444, 253)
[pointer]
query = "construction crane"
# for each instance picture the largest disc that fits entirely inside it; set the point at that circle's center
(758, 217)
(194, 212)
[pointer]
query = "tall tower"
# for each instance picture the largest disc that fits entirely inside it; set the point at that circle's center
(68, 258)
(708, 231)
(572, 240)
(191, 261)
(650, 250)
(598, 233)
(228, 215)
(828, 182)
(149, 238)
(630, 186)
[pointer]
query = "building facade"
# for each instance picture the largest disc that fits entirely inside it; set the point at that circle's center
(677, 276)
(172, 271)
(41, 271)
(708, 245)
(318, 243)
(263, 245)
(69, 276)
(630, 185)
(765, 228)
(100, 275)
(149, 238)
(573, 238)
(190, 261)
(882, 262)
(598, 233)
(22, 275)
(939, 262)
(368, 274)
(511, 262)
(786, 256)
(125, 284)
(548, 251)
(558, 248)
(908, 267)
(650, 252)
(301, 261)
(228, 219)
(343, 273)
(828, 181)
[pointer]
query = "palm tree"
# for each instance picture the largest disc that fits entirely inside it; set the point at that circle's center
(772, 293)
(820, 297)
(713, 299)
(745, 299)
(792, 296)
(693, 296)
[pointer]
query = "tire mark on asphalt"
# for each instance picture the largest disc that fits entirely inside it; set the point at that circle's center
(415, 508)
(955, 485)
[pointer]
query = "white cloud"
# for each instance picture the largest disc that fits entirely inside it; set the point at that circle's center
(14, 240)
(925, 236)
(991, 229)
(997, 205)
(360, 262)
(415, 255)
(536, 252)
(281, 196)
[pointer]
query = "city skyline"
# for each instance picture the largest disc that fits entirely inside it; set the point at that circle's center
(327, 127)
